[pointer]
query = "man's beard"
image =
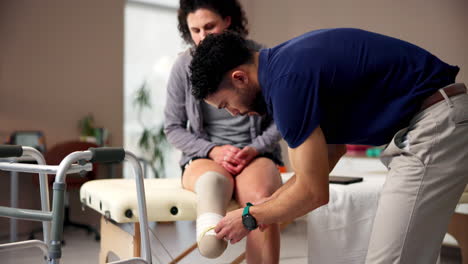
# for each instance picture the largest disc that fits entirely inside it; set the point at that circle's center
(258, 104)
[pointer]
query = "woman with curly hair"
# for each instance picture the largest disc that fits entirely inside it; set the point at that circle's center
(225, 155)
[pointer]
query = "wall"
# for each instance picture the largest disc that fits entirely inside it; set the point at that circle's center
(438, 26)
(59, 60)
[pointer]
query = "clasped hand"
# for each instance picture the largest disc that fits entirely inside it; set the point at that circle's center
(232, 158)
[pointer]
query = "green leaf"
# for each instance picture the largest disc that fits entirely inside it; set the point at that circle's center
(152, 142)
(86, 126)
(144, 140)
(142, 98)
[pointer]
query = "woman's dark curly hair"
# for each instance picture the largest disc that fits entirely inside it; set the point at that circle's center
(214, 57)
(223, 8)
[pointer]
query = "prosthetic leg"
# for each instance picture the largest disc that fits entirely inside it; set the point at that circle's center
(214, 191)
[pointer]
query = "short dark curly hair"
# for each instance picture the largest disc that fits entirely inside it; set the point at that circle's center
(224, 8)
(214, 57)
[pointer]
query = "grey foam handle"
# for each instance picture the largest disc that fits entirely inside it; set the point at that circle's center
(107, 155)
(8, 151)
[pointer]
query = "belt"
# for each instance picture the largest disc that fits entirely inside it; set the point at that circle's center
(451, 90)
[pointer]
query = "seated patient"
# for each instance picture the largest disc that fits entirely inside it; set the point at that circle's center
(224, 154)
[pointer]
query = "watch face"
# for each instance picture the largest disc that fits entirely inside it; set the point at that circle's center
(249, 222)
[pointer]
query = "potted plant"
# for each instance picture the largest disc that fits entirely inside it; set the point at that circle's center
(90, 133)
(152, 140)
(87, 129)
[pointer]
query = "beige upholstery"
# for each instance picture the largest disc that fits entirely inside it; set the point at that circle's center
(116, 199)
(118, 196)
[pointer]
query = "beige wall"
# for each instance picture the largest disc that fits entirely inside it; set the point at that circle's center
(441, 27)
(438, 26)
(59, 60)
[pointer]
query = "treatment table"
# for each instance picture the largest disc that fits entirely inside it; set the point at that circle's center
(337, 233)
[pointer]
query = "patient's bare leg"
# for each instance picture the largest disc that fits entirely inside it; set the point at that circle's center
(214, 191)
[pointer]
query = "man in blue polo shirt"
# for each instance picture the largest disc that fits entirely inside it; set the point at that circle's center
(332, 87)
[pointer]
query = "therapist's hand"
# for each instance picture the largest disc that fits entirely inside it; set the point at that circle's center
(231, 227)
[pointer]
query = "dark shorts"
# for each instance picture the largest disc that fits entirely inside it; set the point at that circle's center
(266, 155)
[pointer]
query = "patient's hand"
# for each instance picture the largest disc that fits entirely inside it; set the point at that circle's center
(247, 154)
(225, 153)
(241, 160)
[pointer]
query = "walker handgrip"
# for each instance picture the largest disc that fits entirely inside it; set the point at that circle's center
(8, 151)
(107, 155)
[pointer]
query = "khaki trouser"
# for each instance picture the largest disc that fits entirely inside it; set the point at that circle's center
(425, 182)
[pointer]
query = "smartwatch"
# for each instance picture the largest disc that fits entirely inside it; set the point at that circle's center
(248, 220)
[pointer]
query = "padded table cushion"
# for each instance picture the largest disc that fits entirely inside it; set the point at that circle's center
(166, 200)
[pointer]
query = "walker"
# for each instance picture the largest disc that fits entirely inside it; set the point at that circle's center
(52, 220)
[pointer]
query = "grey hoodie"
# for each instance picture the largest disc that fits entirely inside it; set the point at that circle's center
(183, 122)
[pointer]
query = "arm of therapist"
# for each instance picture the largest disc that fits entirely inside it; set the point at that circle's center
(308, 189)
(335, 152)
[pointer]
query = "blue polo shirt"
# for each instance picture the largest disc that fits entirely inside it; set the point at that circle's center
(360, 87)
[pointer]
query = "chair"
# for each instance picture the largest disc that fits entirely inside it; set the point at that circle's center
(74, 181)
(30, 138)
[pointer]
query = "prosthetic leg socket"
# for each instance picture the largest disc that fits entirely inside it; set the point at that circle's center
(214, 191)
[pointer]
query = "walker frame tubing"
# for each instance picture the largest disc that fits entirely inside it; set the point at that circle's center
(142, 213)
(57, 214)
(44, 190)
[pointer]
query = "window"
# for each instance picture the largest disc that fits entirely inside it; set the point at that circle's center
(152, 43)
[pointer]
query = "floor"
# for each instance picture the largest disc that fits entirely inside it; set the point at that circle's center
(173, 238)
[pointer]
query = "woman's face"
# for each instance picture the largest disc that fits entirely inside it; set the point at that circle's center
(203, 22)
